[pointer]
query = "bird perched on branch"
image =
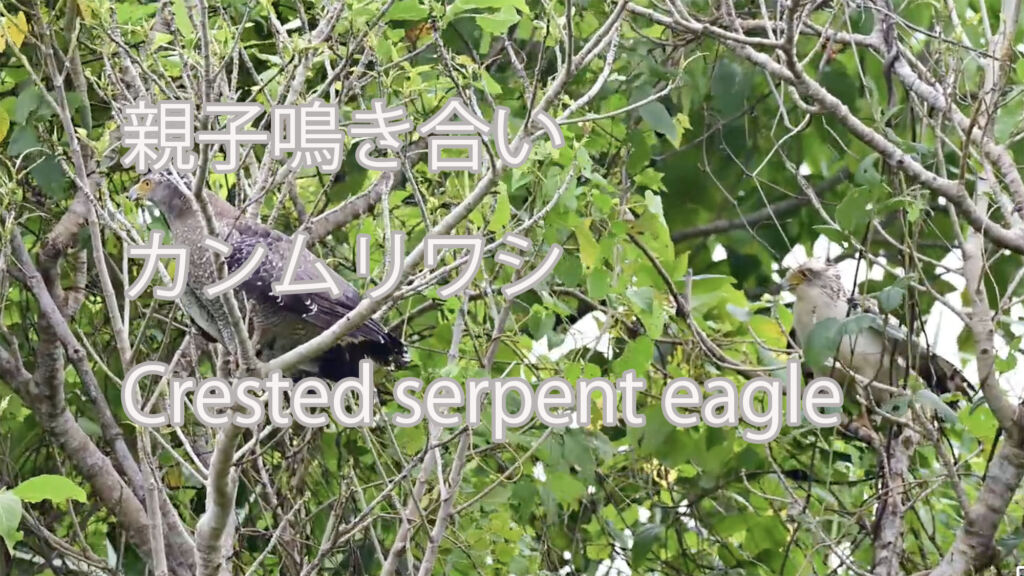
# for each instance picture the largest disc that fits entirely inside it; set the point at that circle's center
(868, 347)
(281, 321)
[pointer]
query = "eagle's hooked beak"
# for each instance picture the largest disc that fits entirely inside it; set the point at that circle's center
(141, 190)
(792, 280)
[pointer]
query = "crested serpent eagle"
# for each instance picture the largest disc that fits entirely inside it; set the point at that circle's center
(880, 352)
(281, 321)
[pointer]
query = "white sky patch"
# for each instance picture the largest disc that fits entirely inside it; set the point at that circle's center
(804, 169)
(825, 249)
(952, 261)
(797, 256)
(145, 216)
(587, 333)
(538, 472)
(643, 515)
(834, 560)
(942, 328)
(1017, 319)
(617, 564)
(615, 567)
(719, 253)
(683, 510)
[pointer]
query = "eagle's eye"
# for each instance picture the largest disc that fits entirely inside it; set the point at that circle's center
(145, 185)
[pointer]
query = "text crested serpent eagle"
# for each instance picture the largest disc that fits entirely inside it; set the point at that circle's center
(281, 321)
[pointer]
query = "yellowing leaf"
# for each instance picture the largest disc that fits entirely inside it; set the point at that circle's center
(16, 29)
(502, 213)
(589, 252)
(5, 124)
(85, 8)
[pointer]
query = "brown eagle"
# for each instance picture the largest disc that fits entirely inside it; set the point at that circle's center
(281, 321)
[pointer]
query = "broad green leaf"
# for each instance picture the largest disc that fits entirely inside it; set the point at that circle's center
(5, 124)
(930, 400)
(502, 212)
(10, 517)
(589, 251)
(822, 341)
(643, 542)
(655, 114)
(599, 283)
(891, 297)
(499, 22)
(866, 174)
(407, 10)
(653, 203)
(28, 100)
(49, 487)
(858, 323)
(637, 356)
(565, 487)
(647, 306)
(460, 6)
(854, 212)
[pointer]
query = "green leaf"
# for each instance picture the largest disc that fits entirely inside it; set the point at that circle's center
(647, 307)
(860, 322)
(646, 537)
(897, 405)
(658, 117)
(565, 487)
(49, 487)
(929, 399)
(866, 173)
(853, 213)
(10, 517)
(590, 254)
(599, 283)
(637, 356)
(50, 176)
(822, 341)
(498, 22)
(23, 139)
(5, 124)
(502, 213)
(407, 10)
(460, 6)
(891, 297)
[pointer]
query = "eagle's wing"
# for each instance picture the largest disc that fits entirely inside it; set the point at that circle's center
(201, 316)
(939, 374)
(319, 309)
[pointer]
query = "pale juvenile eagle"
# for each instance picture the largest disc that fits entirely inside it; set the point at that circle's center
(881, 352)
(281, 322)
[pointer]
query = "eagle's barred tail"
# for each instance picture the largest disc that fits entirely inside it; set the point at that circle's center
(342, 361)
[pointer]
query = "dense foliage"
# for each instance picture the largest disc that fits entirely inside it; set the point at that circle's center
(705, 142)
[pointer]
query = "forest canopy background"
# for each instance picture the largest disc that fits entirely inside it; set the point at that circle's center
(708, 145)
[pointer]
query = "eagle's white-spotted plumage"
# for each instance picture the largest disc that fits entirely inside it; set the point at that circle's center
(281, 321)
